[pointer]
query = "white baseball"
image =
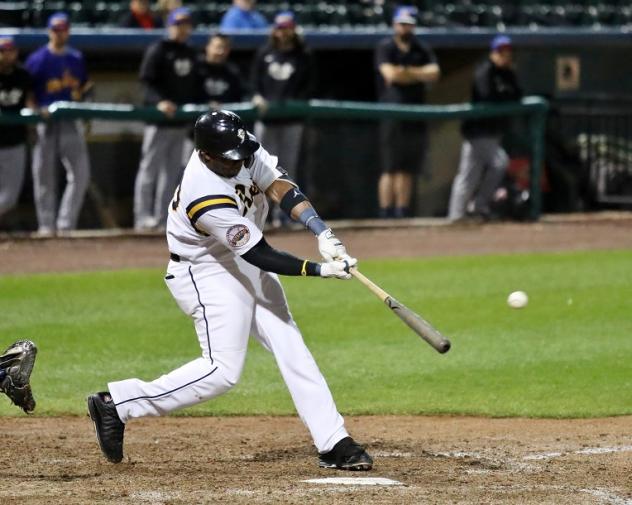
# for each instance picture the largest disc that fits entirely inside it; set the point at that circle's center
(517, 299)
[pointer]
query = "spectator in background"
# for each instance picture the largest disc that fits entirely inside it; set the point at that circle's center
(282, 70)
(405, 66)
(169, 78)
(242, 16)
(16, 91)
(59, 73)
(141, 16)
(220, 80)
(483, 159)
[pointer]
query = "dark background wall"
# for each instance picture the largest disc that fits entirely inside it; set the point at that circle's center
(340, 167)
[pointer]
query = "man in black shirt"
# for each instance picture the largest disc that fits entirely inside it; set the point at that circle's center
(404, 67)
(15, 91)
(169, 78)
(483, 159)
(219, 80)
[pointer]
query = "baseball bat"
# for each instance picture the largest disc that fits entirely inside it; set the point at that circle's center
(415, 322)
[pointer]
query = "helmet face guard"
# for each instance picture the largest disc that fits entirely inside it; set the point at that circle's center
(221, 134)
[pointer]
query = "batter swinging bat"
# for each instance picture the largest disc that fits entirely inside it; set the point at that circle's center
(416, 323)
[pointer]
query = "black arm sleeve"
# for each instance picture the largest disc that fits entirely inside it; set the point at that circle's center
(271, 260)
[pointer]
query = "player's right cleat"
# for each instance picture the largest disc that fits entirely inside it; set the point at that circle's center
(108, 425)
(347, 454)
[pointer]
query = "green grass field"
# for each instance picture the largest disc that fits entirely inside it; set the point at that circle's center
(568, 354)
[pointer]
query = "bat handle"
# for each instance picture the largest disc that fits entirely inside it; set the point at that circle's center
(377, 290)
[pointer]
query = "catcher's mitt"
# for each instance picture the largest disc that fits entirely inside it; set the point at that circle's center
(17, 363)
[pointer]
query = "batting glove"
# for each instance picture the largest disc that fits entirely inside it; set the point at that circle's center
(331, 249)
(338, 269)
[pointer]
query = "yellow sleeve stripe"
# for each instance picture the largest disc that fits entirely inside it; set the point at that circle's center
(200, 208)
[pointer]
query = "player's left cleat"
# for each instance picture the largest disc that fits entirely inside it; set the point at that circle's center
(347, 454)
(108, 425)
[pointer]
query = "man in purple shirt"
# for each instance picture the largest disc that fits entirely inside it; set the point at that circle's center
(242, 16)
(59, 74)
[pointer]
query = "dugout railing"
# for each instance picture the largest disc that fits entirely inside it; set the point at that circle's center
(533, 109)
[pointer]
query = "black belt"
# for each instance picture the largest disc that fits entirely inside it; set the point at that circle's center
(175, 257)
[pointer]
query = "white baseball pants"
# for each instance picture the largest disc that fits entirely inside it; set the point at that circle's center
(227, 307)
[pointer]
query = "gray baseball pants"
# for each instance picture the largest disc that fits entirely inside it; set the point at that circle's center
(12, 160)
(158, 174)
(59, 140)
(481, 169)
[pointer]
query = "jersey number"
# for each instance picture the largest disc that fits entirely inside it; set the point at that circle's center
(176, 199)
(249, 198)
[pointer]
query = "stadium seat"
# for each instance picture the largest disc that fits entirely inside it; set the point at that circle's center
(326, 14)
(79, 14)
(42, 10)
(14, 14)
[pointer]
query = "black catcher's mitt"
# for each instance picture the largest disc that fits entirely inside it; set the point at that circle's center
(17, 362)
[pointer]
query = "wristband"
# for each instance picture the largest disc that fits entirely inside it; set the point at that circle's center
(312, 221)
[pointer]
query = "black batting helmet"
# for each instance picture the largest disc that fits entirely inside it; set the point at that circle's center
(222, 134)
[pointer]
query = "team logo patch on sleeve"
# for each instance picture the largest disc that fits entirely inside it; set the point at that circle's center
(238, 235)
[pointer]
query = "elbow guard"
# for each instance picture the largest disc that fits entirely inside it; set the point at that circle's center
(309, 218)
(291, 199)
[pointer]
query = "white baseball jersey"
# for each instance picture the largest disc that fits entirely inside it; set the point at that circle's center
(212, 218)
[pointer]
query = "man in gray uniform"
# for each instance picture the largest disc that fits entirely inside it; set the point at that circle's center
(169, 78)
(483, 159)
(15, 90)
(59, 74)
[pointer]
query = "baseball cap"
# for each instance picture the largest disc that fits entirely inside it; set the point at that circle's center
(500, 41)
(405, 14)
(284, 19)
(179, 15)
(7, 42)
(58, 21)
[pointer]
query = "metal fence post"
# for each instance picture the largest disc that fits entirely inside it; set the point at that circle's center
(537, 128)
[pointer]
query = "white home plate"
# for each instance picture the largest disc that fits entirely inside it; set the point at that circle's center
(356, 481)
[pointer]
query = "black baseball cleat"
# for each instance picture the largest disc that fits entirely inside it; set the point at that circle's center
(347, 454)
(108, 425)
